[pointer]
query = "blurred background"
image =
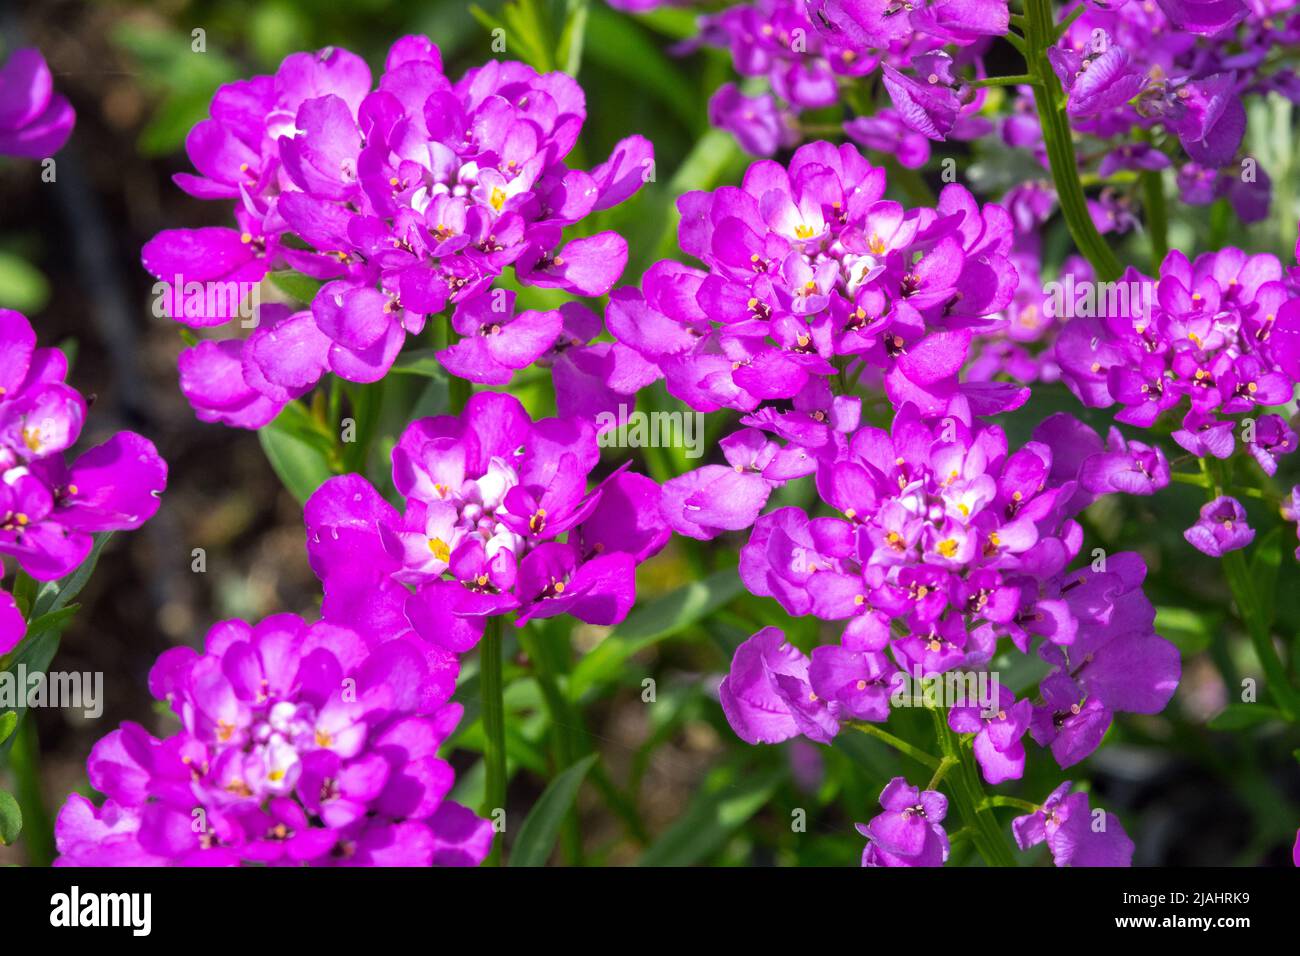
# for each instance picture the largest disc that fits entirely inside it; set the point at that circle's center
(676, 785)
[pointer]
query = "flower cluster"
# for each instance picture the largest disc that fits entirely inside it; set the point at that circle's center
(498, 518)
(49, 510)
(1135, 70)
(1217, 340)
(299, 745)
(910, 831)
(1075, 834)
(35, 121)
(949, 543)
(403, 200)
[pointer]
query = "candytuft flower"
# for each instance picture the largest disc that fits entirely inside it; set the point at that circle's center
(35, 121)
(910, 832)
(49, 509)
(405, 200)
(300, 744)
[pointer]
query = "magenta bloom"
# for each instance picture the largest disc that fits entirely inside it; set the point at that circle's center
(49, 510)
(949, 543)
(1222, 527)
(809, 264)
(1291, 512)
(406, 200)
(12, 625)
(910, 831)
(299, 745)
(498, 518)
(35, 121)
(1074, 834)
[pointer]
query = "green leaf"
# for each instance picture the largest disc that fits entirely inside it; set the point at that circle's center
(294, 448)
(1243, 716)
(1188, 629)
(730, 796)
(419, 362)
(621, 46)
(54, 595)
(294, 284)
(22, 286)
(650, 623)
(542, 827)
(11, 819)
(8, 721)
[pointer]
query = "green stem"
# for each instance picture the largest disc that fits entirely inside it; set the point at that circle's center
(1153, 188)
(1049, 97)
(1237, 572)
(25, 762)
(491, 686)
(564, 747)
(997, 800)
(902, 746)
(1023, 79)
(968, 795)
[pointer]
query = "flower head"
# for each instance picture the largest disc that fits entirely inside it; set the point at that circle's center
(299, 744)
(50, 509)
(35, 121)
(910, 830)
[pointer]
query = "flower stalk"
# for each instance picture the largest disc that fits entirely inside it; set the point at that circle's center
(1040, 34)
(492, 689)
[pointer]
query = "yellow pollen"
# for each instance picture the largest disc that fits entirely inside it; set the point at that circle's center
(850, 513)
(861, 685)
(323, 739)
(72, 489)
(439, 549)
(22, 519)
(559, 587)
(877, 245)
(858, 599)
(498, 198)
(964, 509)
(948, 548)
(275, 776)
(1016, 496)
(1252, 387)
(32, 438)
(393, 181)
(804, 231)
(246, 238)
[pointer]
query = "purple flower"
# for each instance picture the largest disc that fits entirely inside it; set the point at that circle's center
(758, 123)
(299, 745)
(1273, 438)
(35, 121)
(767, 697)
(997, 744)
(498, 518)
(404, 200)
(808, 264)
(49, 510)
(12, 625)
(1204, 16)
(1076, 834)
(1291, 512)
(1221, 528)
(910, 831)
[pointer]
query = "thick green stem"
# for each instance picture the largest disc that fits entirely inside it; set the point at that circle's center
(1040, 34)
(492, 689)
(1153, 189)
(967, 793)
(25, 762)
(1237, 572)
